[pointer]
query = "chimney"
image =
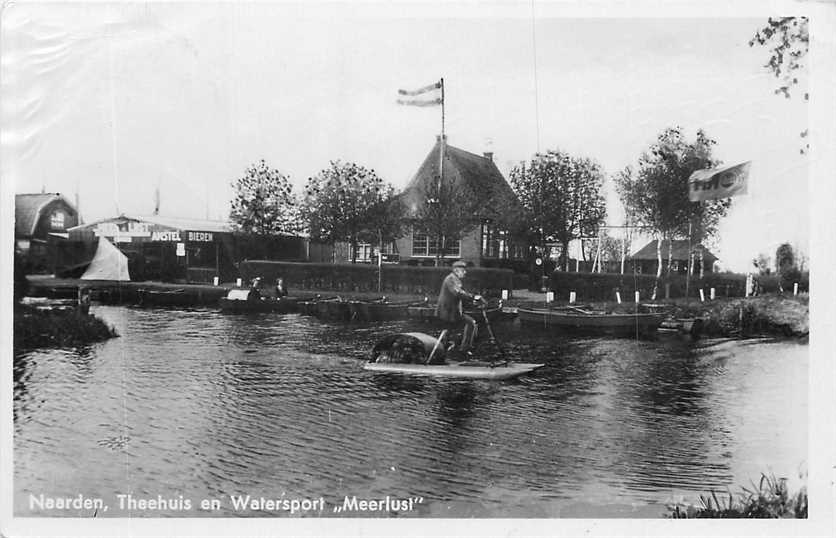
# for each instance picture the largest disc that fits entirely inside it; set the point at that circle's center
(489, 155)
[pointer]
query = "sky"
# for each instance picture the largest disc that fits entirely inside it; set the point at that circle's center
(107, 102)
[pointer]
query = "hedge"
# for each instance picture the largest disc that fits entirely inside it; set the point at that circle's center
(364, 277)
(602, 286)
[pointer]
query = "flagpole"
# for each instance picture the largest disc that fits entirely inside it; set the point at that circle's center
(441, 144)
(442, 108)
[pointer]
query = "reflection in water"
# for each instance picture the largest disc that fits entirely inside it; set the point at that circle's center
(202, 404)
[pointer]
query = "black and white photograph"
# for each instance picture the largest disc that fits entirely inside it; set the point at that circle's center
(417, 268)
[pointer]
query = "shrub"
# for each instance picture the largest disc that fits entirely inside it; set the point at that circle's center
(362, 277)
(35, 328)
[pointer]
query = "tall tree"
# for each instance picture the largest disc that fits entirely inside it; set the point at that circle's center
(348, 202)
(786, 264)
(562, 197)
(656, 194)
(263, 202)
(784, 258)
(448, 212)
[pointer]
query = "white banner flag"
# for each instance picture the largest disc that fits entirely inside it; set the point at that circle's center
(723, 182)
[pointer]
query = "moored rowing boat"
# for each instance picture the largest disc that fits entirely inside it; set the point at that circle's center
(584, 321)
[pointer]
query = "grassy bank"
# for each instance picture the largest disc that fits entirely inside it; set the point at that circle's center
(36, 328)
(783, 315)
(769, 499)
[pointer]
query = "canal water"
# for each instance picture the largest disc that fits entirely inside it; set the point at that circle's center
(197, 405)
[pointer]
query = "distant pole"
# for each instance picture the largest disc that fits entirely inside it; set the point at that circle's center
(442, 108)
(441, 146)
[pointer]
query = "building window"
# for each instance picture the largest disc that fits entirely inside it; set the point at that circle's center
(364, 252)
(56, 221)
(422, 245)
(419, 244)
(494, 241)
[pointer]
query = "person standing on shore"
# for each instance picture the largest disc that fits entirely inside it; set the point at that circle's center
(449, 308)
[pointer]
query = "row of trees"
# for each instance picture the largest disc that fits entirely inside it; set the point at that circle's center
(344, 202)
(787, 261)
(562, 199)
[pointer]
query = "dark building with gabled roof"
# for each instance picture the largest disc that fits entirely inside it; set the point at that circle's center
(496, 204)
(645, 260)
(39, 219)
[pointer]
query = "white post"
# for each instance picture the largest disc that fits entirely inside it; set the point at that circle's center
(549, 296)
(712, 294)
(637, 297)
(379, 269)
(702, 295)
(572, 297)
(795, 289)
(215, 281)
(238, 282)
(618, 297)
(504, 295)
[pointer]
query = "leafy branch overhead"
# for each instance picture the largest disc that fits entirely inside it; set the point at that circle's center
(263, 202)
(788, 40)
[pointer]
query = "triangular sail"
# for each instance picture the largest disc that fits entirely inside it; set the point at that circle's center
(108, 263)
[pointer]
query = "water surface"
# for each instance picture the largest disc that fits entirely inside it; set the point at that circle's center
(203, 405)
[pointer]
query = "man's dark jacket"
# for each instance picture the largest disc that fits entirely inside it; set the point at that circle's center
(449, 307)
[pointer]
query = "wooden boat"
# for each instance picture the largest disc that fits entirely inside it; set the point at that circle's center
(282, 305)
(580, 320)
(338, 309)
(333, 309)
(379, 310)
(410, 353)
(177, 297)
(494, 313)
(466, 369)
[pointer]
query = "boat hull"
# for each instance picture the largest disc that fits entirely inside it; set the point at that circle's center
(619, 324)
(428, 313)
(282, 306)
(152, 298)
(457, 370)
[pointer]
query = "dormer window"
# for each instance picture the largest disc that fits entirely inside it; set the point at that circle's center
(56, 221)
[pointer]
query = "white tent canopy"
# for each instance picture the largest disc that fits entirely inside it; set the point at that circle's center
(108, 263)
